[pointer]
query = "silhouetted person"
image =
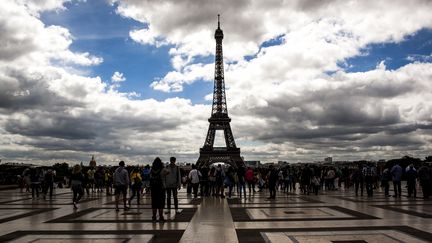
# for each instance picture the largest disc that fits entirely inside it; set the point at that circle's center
(35, 182)
(369, 173)
(121, 182)
(424, 175)
(76, 181)
(48, 183)
(212, 181)
(136, 184)
(272, 177)
(357, 179)
(157, 188)
(220, 178)
(204, 181)
(396, 172)
(385, 179)
(250, 179)
(194, 177)
(241, 180)
(229, 180)
(172, 183)
(411, 175)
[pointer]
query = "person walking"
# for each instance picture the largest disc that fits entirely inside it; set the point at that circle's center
(396, 172)
(220, 178)
(204, 181)
(369, 175)
(145, 175)
(157, 189)
(385, 178)
(250, 179)
(76, 180)
(425, 176)
(357, 179)
(49, 183)
(35, 182)
(212, 181)
(411, 175)
(272, 178)
(121, 182)
(172, 184)
(229, 180)
(241, 181)
(136, 184)
(194, 177)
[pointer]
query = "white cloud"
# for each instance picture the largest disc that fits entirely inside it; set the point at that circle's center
(283, 102)
(174, 80)
(117, 77)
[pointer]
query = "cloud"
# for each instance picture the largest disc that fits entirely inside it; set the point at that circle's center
(288, 100)
(313, 31)
(117, 77)
(419, 58)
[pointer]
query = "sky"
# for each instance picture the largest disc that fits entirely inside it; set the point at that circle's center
(133, 79)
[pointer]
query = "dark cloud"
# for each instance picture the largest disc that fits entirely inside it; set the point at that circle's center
(22, 91)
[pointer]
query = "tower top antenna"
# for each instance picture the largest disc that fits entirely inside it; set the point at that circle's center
(218, 21)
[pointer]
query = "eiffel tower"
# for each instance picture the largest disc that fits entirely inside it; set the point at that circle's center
(219, 119)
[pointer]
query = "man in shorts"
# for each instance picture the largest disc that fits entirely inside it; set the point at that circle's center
(121, 182)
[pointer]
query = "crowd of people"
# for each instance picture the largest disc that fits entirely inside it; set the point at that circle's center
(162, 182)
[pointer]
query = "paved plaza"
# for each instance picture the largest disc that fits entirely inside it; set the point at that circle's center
(332, 216)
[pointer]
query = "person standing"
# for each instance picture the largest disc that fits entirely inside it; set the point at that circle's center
(76, 180)
(357, 179)
(396, 172)
(136, 183)
(204, 181)
(49, 183)
(272, 178)
(229, 180)
(212, 181)
(121, 182)
(145, 175)
(250, 179)
(194, 177)
(241, 180)
(91, 178)
(157, 188)
(220, 178)
(411, 175)
(425, 176)
(35, 182)
(172, 184)
(108, 178)
(385, 178)
(369, 175)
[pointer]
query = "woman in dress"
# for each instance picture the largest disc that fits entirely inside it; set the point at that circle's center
(157, 189)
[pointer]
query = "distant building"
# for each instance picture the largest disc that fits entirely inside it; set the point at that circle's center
(252, 163)
(282, 163)
(328, 160)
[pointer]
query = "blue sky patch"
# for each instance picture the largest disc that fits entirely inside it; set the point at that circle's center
(395, 55)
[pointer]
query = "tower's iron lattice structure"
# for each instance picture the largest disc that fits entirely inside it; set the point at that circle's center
(219, 119)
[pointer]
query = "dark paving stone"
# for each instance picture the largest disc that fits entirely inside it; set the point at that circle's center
(160, 236)
(241, 215)
(255, 235)
(376, 199)
(32, 212)
(278, 200)
(349, 241)
(395, 208)
(185, 216)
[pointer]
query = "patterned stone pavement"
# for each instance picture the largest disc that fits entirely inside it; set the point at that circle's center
(332, 216)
